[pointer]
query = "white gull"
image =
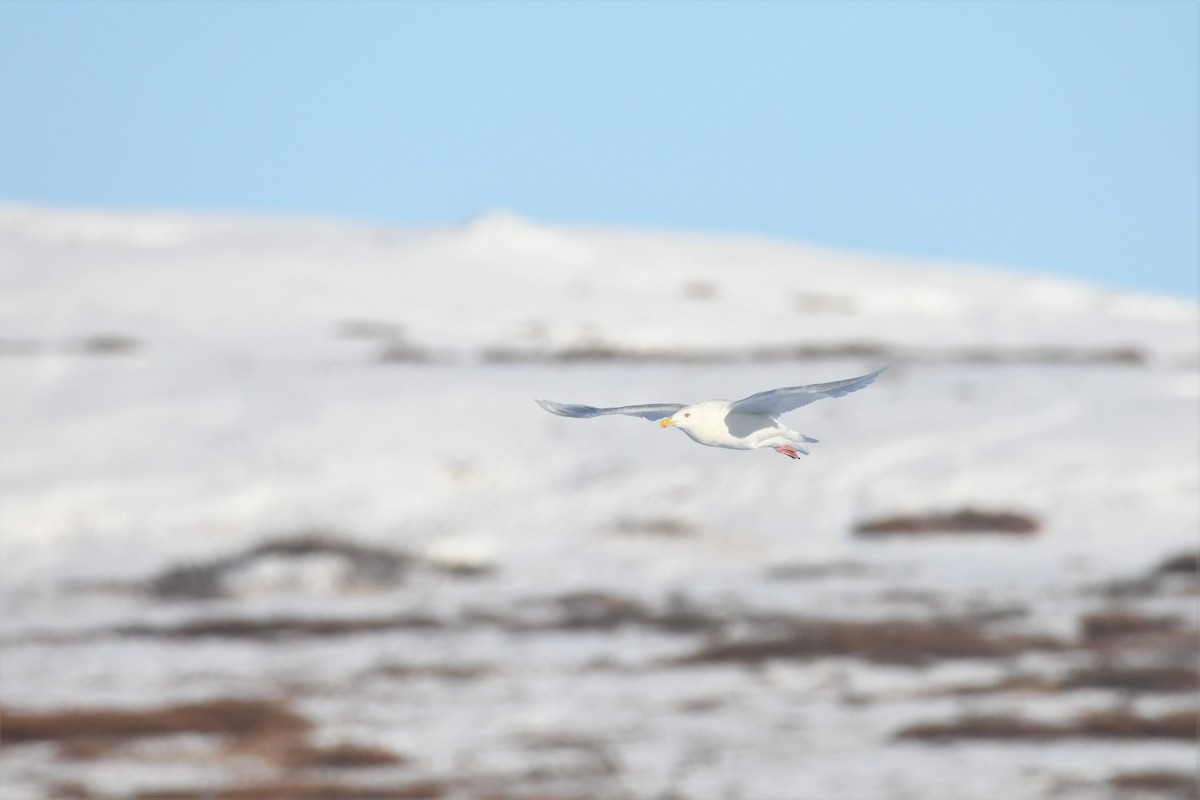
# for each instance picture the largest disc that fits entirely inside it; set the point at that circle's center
(746, 424)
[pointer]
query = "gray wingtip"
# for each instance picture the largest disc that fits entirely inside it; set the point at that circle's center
(557, 409)
(869, 378)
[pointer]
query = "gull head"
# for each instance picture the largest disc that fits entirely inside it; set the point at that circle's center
(686, 418)
(681, 418)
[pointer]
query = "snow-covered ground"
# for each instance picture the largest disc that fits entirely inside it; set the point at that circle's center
(527, 605)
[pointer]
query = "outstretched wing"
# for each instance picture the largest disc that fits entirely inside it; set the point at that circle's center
(779, 401)
(648, 411)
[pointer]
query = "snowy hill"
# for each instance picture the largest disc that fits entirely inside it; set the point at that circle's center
(184, 400)
(506, 286)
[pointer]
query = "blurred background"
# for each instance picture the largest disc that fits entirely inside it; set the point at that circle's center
(281, 281)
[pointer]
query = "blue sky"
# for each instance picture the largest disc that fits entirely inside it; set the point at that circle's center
(1054, 136)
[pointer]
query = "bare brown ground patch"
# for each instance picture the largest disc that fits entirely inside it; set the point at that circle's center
(1024, 684)
(295, 790)
(901, 642)
(664, 527)
(589, 611)
(110, 344)
(346, 755)
(1119, 623)
(603, 611)
(266, 730)
(234, 718)
(1134, 680)
(1172, 784)
(71, 790)
(962, 522)
(1114, 724)
(1149, 679)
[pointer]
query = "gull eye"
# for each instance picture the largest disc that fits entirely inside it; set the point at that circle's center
(687, 413)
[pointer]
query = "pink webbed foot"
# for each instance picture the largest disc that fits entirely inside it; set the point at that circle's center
(790, 452)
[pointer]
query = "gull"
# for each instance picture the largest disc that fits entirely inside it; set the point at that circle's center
(746, 424)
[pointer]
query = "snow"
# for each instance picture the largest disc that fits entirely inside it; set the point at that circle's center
(250, 401)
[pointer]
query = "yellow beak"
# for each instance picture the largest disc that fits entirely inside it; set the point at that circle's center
(668, 422)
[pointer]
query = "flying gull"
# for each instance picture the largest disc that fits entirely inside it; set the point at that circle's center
(746, 424)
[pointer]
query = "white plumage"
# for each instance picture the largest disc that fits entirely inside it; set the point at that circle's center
(746, 424)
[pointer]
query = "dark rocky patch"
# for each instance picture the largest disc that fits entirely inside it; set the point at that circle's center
(665, 527)
(700, 705)
(1116, 724)
(367, 566)
(110, 344)
(901, 596)
(442, 672)
(1182, 564)
(700, 290)
(812, 302)
(768, 635)
(1048, 354)
(460, 569)
(567, 755)
(602, 352)
(403, 353)
(1181, 570)
(102, 344)
(371, 329)
(277, 628)
(596, 611)
(963, 521)
(815, 571)
(870, 351)
(391, 337)
(607, 352)
(1134, 680)
(601, 611)
(511, 355)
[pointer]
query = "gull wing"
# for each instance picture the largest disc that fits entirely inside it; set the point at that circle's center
(779, 401)
(647, 411)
